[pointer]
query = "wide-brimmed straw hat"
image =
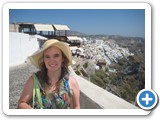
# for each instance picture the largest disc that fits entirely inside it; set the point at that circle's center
(35, 58)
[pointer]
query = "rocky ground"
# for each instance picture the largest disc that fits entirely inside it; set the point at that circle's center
(18, 76)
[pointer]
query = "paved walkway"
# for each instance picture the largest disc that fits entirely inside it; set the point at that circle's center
(18, 76)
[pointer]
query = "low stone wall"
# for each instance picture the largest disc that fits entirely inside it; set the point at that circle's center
(87, 103)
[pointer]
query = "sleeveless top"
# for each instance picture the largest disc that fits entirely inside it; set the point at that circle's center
(57, 99)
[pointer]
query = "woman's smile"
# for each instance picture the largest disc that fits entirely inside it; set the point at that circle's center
(53, 65)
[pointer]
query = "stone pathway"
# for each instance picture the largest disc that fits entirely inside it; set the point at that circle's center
(18, 76)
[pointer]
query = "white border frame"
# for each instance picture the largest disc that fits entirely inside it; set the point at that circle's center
(8, 6)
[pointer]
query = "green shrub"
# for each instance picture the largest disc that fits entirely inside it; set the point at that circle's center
(85, 65)
(106, 80)
(77, 72)
(98, 81)
(100, 73)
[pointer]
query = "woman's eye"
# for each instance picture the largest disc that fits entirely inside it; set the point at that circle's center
(56, 55)
(46, 56)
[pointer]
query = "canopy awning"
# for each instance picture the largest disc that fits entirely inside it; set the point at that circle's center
(61, 27)
(43, 27)
(70, 38)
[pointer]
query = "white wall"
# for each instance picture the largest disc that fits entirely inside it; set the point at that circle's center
(20, 47)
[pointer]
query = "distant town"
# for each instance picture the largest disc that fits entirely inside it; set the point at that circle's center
(114, 63)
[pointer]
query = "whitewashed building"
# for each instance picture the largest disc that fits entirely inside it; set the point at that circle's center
(21, 46)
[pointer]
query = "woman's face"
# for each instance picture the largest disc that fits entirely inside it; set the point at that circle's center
(53, 59)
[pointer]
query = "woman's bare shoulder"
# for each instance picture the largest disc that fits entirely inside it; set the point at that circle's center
(72, 79)
(73, 82)
(30, 82)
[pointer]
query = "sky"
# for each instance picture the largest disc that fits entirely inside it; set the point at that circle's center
(124, 22)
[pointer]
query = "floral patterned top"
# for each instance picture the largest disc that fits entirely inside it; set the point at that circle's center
(58, 98)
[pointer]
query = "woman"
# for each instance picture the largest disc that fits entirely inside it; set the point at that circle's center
(52, 87)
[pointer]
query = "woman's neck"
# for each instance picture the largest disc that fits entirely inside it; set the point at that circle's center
(54, 76)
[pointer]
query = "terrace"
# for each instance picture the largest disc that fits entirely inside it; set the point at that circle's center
(91, 97)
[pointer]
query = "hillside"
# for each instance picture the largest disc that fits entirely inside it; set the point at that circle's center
(129, 77)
